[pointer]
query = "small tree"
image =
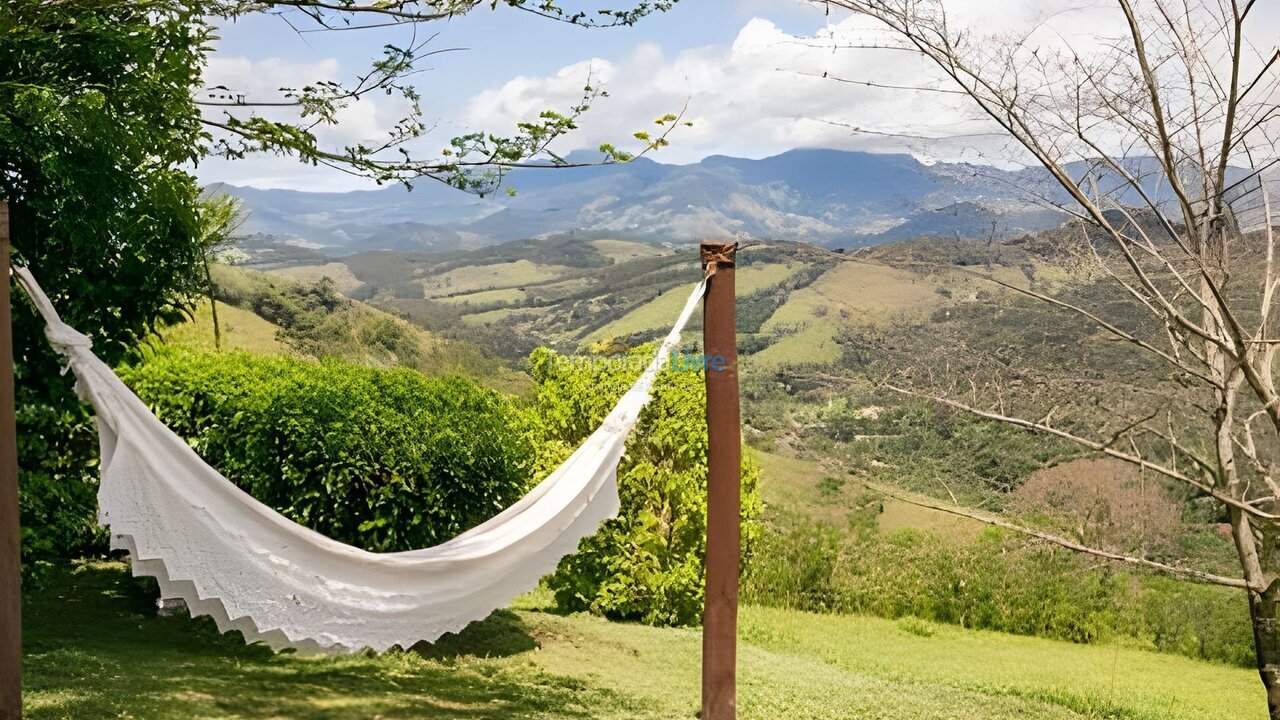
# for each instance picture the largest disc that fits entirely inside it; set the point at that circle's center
(1157, 143)
(220, 217)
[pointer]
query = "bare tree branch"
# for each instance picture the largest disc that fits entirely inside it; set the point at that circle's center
(955, 509)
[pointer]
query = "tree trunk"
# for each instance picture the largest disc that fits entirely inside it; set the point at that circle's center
(213, 303)
(1264, 607)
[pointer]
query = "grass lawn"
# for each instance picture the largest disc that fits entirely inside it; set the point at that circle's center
(95, 649)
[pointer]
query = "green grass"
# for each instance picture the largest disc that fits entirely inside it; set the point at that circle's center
(339, 273)
(490, 277)
(485, 297)
(491, 316)
(793, 484)
(662, 311)
(95, 649)
(623, 250)
(241, 330)
(856, 294)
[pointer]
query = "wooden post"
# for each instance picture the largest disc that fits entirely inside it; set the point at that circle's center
(724, 462)
(10, 553)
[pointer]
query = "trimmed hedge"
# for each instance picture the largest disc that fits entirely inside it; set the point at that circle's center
(383, 459)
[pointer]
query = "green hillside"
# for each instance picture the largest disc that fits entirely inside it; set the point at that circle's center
(95, 649)
(240, 330)
(796, 301)
(276, 312)
(656, 316)
(819, 331)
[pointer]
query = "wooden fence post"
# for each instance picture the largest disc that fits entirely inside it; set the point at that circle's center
(10, 552)
(724, 462)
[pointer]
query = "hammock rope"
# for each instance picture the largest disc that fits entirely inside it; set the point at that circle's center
(253, 570)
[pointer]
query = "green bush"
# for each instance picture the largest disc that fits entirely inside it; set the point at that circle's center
(58, 464)
(383, 459)
(1201, 621)
(997, 582)
(99, 130)
(794, 565)
(647, 564)
(923, 443)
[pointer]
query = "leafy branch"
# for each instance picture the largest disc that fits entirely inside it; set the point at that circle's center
(475, 162)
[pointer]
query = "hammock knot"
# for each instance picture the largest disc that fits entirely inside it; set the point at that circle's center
(64, 337)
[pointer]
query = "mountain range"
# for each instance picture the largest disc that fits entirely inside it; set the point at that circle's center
(826, 197)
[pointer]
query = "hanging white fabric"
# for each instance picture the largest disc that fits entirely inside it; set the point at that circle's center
(251, 569)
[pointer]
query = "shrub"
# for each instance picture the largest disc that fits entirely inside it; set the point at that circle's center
(1201, 621)
(383, 459)
(794, 564)
(1105, 503)
(830, 486)
(57, 458)
(917, 627)
(647, 564)
(998, 582)
(923, 443)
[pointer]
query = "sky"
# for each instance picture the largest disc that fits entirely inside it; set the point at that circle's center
(747, 73)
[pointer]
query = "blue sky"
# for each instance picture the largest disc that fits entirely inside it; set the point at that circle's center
(750, 73)
(504, 42)
(499, 45)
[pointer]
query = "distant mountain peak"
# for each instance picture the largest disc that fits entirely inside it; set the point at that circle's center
(833, 197)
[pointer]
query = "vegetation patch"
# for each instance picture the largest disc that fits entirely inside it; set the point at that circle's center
(336, 272)
(648, 563)
(623, 250)
(486, 277)
(381, 459)
(239, 330)
(95, 648)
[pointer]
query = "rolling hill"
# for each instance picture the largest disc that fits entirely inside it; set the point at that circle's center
(279, 313)
(797, 300)
(828, 197)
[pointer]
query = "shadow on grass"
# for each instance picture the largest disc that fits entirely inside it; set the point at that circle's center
(95, 648)
(502, 634)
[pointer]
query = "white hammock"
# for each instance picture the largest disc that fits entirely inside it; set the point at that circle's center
(253, 570)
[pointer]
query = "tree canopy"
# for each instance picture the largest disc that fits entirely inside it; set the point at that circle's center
(104, 113)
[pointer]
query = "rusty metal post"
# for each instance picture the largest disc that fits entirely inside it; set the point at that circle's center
(10, 554)
(724, 462)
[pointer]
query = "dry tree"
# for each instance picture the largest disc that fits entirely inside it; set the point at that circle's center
(1158, 142)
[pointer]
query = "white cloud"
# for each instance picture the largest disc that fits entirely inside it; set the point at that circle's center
(367, 120)
(766, 92)
(762, 94)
